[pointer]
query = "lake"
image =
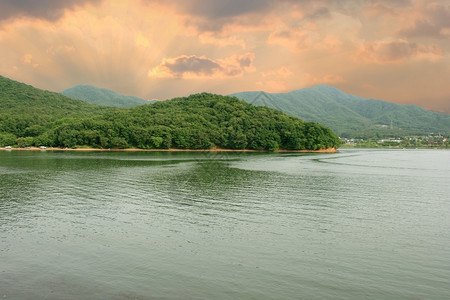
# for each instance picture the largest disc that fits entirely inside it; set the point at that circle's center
(358, 224)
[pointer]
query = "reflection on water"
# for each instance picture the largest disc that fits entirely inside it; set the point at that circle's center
(154, 225)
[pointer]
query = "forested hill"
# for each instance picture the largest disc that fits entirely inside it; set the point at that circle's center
(32, 117)
(102, 96)
(17, 98)
(352, 116)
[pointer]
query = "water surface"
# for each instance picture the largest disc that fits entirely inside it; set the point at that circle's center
(359, 224)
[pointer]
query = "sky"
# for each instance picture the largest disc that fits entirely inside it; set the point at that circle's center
(394, 50)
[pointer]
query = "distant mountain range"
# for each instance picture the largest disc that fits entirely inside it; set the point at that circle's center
(350, 115)
(103, 97)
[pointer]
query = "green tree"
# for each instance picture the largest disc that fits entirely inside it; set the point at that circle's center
(7, 139)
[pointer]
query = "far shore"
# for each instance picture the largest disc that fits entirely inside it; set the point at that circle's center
(329, 150)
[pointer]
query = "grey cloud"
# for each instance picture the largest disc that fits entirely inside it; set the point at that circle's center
(245, 61)
(212, 15)
(43, 9)
(217, 9)
(436, 18)
(282, 34)
(201, 67)
(396, 3)
(397, 51)
(226, 8)
(319, 13)
(421, 28)
(192, 64)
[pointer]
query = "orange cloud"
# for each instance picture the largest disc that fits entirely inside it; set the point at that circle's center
(222, 41)
(324, 30)
(329, 79)
(195, 67)
(275, 81)
(152, 48)
(367, 86)
(28, 59)
(141, 40)
(111, 46)
(282, 72)
(273, 86)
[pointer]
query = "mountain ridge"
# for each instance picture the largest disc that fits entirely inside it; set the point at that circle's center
(350, 115)
(104, 97)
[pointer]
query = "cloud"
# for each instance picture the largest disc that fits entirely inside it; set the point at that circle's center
(43, 9)
(293, 39)
(204, 12)
(429, 19)
(311, 26)
(28, 60)
(397, 51)
(282, 72)
(413, 18)
(318, 13)
(380, 10)
(329, 79)
(141, 40)
(121, 45)
(222, 9)
(213, 9)
(272, 86)
(368, 86)
(111, 46)
(216, 15)
(190, 67)
(222, 41)
(213, 15)
(275, 81)
(445, 32)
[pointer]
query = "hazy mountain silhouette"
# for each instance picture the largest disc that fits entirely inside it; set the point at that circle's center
(102, 96)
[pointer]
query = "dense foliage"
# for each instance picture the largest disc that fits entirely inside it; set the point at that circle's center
(27, 112)
(352, 116)
(32, 117)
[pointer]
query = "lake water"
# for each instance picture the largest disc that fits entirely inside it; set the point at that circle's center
(358, 224)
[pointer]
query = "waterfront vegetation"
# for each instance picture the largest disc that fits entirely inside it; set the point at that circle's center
(416, 142)
(32, 117)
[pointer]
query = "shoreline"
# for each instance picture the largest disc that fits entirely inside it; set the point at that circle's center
(329, 150)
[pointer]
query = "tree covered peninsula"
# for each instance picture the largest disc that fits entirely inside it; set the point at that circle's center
(33, 117)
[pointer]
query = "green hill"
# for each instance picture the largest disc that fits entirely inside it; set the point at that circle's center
(27, 111)
(32, 117)
(352, 116)
(104, 97)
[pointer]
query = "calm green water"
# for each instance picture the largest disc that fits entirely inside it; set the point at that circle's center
(359, 224)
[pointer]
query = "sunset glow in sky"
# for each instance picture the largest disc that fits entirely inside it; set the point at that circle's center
(394, 50)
